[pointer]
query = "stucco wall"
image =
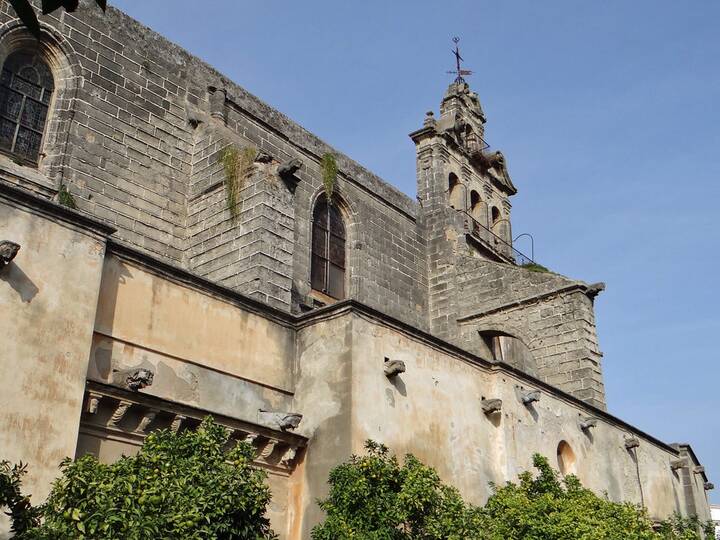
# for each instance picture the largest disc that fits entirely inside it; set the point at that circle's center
(433, 410)
(48, 296)
(171, 320)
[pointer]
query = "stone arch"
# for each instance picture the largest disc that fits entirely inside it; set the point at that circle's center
(566, 458)
(348, 215)
(500, 345)
(478, 208)
(57, 52)
(456, 192)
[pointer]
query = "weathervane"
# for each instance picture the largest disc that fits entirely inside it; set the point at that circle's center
(459, 72)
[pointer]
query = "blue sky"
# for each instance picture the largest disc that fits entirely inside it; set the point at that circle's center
(607, 113)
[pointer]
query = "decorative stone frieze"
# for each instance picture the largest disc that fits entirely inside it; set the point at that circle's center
(119, 415)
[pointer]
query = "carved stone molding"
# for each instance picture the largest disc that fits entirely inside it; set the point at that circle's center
(122, 415)
(120, 411)
(92, 401)
(146, 420)
(176, 423)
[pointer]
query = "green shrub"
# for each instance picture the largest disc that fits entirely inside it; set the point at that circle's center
(181, 486)
(375, 498)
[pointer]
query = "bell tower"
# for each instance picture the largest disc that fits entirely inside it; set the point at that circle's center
(463, 191)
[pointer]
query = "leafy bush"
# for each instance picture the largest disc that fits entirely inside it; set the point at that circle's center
(375, 498)
(177, 486)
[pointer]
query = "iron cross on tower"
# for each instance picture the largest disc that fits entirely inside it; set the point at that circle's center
(459, 72)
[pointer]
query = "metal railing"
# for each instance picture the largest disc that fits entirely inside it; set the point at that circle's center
(495, 242)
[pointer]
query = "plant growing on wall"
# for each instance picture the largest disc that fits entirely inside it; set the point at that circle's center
(329, 170)
(65, 198)
(534, 267)
(237, 165)
(182, 485)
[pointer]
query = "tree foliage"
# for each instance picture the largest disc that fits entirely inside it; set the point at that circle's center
(373, 497)
(26, 12)
(182, 486)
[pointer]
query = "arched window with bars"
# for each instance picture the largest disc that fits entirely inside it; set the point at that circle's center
(26, 88)
(327, 273)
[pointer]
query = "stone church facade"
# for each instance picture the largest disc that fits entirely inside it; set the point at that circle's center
(305, 327)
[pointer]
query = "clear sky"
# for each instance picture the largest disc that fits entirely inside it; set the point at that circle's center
(607, 113)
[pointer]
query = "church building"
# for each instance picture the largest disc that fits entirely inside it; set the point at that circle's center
(173, 247)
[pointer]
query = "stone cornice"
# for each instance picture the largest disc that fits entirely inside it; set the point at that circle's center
(53, 210)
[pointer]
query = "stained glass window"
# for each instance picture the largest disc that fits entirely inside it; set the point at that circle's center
(327, 273)
(26, 86)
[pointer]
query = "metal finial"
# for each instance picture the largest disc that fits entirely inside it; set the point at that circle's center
(459, 72)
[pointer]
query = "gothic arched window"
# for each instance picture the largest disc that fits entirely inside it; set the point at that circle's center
(327, 273)
(26, 86)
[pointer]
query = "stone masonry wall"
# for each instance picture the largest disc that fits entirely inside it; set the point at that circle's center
(135, 157)
(551, 314)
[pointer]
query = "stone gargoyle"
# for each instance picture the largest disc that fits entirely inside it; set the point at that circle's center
(588, 423)
(139, 379)
(289, 167)
(530, 396)
(8, 250)
(283, 420)
(631, 442)
(490, 406)
(394, 368)
(676, 464)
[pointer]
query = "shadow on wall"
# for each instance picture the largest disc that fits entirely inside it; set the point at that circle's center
(13, 275)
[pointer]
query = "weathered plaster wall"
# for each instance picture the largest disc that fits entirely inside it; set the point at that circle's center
(323, 395)
(48, 296)
(153, 319)
(433, 411)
